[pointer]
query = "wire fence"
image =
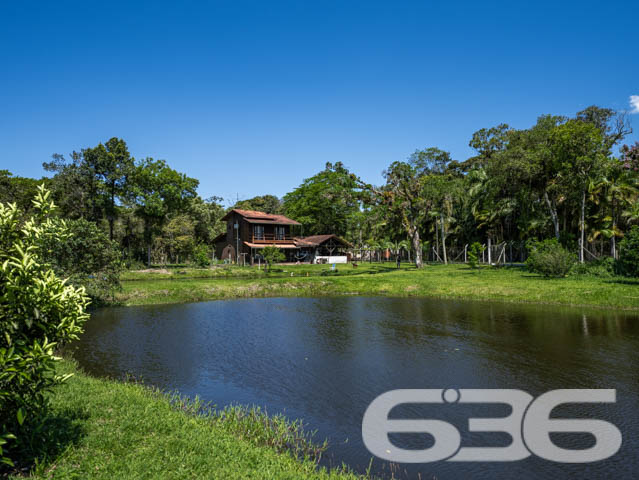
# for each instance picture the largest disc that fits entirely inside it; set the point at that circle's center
(504, 253)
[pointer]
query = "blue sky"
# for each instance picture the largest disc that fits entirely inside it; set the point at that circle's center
(252, 97)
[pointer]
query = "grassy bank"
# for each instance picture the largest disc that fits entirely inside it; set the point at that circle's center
(104, 429)
(442, 281)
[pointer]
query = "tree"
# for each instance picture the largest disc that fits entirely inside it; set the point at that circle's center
(488, 142)
(403, 192)
(580, 151)
(19, 190)
(39, 312)
(86, 257)
(272, 255)
(157, 191)
(615, 189)
(630, 157)
(207, 215)
(177, 238)
(261, 203)
(629, 253)
(74, 187)
(113, 165)
(442, 190)
(614, 126)
(326, 202)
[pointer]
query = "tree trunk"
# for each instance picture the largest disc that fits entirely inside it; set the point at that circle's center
(112, 212)
(148, 255)
(553, 214)
(582, 226)
(444, 239)
(417, 246)
(613, 240)
(436, 238)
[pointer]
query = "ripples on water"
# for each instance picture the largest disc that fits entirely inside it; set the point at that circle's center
(324, 360)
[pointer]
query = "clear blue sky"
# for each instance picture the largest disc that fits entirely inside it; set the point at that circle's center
(252, 97)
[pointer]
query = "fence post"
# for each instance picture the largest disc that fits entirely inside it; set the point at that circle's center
(465, 253)
(490, 253)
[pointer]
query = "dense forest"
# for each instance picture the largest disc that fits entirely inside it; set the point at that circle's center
(572, 179)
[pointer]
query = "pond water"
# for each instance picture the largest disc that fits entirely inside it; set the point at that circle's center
(325, 359)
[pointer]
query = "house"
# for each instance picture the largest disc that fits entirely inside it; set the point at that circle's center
(248, 231)
(323, 249)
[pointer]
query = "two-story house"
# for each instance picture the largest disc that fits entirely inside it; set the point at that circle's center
(248, 231)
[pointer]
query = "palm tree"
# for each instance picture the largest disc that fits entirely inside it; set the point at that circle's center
(405, 245)
(631, 214)
(374, 246)
(616, 189)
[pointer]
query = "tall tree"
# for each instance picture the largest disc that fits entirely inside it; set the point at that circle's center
(404, 188)
(580, 150)
(261, 203)
(442, 191)
(326, 202)
(112, 165)
(157, 191)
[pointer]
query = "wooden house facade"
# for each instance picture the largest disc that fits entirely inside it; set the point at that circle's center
(248, 231)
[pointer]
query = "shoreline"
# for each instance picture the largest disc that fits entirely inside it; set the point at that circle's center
(455, 282)
(106, 428)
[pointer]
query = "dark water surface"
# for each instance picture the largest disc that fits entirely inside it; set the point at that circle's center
(324, 360)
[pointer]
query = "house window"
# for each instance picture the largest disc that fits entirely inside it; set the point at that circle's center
(258, 232)
(280, 233)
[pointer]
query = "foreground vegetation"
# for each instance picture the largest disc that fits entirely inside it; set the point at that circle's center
(106, 429)
(442, 281)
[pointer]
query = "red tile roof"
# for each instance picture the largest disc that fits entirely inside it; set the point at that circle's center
(253, 216)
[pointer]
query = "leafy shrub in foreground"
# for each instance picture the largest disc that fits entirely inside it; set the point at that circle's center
(628, 263)
(38, 313)
(550, 259)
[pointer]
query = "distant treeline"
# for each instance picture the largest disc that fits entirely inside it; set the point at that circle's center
(568, 178)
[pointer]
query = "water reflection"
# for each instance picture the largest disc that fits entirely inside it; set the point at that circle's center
(324, 360)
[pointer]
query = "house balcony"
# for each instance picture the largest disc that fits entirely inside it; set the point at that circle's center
(271, 238)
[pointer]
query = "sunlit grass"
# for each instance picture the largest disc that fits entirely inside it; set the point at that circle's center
(106, 429)
(442, 281)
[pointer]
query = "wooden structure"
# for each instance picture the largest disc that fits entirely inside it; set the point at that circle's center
(248, 231)
(322, 247)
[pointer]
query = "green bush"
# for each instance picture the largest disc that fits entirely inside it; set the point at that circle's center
(628, 263)
(38, 313)
(87, 257)
(272, 255)
(550, 259)
(604, 267)
(475, 250)
(201, 256)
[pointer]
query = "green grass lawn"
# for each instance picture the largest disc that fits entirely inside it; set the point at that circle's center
(442, 281)
(104, 429)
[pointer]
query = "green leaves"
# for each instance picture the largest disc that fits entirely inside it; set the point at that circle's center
(38, 312)
(324, 203)
(20, 416)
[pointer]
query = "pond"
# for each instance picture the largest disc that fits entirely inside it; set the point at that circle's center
(325, 359)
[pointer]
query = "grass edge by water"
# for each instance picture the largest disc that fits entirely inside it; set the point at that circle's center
(107, 428)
